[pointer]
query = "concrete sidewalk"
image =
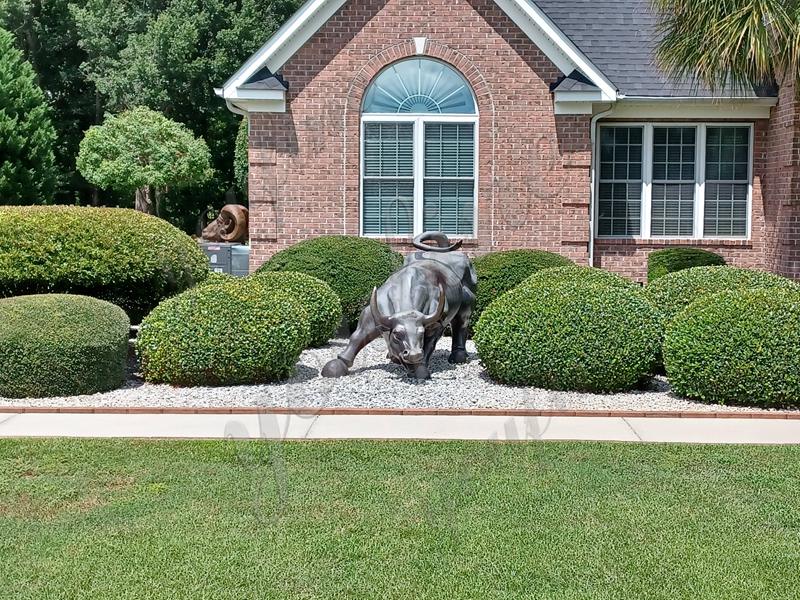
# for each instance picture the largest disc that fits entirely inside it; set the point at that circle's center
(427, 427)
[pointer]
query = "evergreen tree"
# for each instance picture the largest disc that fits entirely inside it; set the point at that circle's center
(27, 163)
(45, 31)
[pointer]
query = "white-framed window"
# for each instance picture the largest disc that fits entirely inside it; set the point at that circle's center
(674, 180)
(419, 151)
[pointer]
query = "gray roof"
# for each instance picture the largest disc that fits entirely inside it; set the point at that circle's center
(619, 37)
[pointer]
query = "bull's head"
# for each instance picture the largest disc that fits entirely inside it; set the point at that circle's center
(406, 330)
(229, 226)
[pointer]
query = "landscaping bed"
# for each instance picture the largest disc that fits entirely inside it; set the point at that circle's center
(375, 382)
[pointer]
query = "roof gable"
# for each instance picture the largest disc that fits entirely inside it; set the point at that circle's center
(605, 48)
(315, 13)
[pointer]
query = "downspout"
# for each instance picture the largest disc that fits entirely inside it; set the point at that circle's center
(592, 193)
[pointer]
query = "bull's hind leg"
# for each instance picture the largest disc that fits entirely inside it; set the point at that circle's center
(459, 326)
(363, 335)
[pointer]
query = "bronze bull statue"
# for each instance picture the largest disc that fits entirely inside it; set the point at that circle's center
(230, 225)
(434, 288)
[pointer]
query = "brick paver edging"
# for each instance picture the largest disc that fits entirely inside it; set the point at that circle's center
(490, 412)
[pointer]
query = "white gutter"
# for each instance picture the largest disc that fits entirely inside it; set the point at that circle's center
(761, 100)
(235, 109)
(593, 177)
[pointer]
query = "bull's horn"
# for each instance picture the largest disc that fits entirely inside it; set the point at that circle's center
(238, 215)
(442, 241)
(383, 321)
(438, 313)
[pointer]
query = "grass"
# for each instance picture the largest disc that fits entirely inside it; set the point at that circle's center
(236, 519)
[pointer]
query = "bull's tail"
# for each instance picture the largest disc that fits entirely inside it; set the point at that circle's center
(442, 242)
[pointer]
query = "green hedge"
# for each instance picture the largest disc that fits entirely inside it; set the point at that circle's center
(671, 260)
(570, 335)
(227, 334)
(737, 347)
(215, 278)
(579, 275)
(674, 292)
(125, 257)
(499, 272)
(321, 303)
(352, 266)
(61, 345)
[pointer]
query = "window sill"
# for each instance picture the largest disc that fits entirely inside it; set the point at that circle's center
(665, 242)
(467, 241)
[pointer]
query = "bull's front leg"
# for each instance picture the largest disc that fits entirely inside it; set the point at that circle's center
(366, 331)
(432, 336)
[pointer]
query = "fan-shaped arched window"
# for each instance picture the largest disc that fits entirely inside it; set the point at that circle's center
(420, 86)
(419, 159)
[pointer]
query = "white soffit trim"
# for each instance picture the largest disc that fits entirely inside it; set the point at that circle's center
(315, 13)
(576, 103)
(693, 108)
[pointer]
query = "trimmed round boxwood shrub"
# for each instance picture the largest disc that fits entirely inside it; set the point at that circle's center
(570, 336)
(61, 345)
(321, 303)
(128, 258)
(215, 278)
(499, 272)
(227, 334)
(352, 266)
(671, 260)
(737, 347)
(579, 275)
(674, 292)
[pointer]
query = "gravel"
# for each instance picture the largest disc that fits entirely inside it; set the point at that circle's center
(374, 382)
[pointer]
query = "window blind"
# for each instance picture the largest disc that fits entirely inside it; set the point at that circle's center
(672, 208)
(727, 181)
(449, 178)
(620, 193)
(388, 189)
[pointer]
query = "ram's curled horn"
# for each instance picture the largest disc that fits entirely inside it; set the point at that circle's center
(238, 217)
(380, 319)
(442, 242)
(439, 312)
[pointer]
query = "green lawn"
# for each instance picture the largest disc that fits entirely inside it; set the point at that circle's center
(121, 519)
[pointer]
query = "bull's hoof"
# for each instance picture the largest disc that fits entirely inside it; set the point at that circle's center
(457, 357)
(335, 368)
(421, 372)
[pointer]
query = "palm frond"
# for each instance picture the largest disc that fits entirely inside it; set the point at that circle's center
(729, 43)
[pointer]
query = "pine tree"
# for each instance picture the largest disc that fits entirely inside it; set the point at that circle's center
(27, 164)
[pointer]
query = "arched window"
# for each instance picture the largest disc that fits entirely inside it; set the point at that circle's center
(419, 158)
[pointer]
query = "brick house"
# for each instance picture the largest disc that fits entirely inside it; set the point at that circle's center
(511, 123)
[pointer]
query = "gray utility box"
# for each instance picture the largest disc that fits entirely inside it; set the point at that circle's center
(233, 259)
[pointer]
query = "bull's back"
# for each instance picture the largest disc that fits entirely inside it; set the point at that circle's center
(416, 286)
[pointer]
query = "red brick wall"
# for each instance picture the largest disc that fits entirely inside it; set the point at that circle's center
(534, 167)
(533, 177)
(782, 185)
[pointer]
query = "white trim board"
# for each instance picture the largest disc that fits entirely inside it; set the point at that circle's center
(299, 29)
(691, 108)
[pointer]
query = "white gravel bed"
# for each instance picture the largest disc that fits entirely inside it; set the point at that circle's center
(374, 382)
